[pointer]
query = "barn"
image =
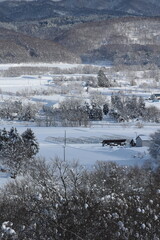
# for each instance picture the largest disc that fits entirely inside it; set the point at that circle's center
(143, 141)
(114, 142)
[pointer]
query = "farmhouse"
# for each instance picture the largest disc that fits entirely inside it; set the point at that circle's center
(114, 142)
(155, 97)
(143, 141)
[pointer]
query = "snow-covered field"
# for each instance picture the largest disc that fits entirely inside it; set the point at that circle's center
(59, 65)
(82, 144)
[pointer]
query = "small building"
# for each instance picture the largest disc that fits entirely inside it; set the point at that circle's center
(143, 141)
(114, 142)
(133, 142)
(155, 97)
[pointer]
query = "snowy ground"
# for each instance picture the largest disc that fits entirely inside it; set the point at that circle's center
(78, 148)
(13, 85)
(59, 65)
(82, 144)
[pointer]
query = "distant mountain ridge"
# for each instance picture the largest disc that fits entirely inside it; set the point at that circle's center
(15, 10)
(112, 31)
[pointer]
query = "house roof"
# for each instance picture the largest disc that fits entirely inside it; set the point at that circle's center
(155, 95)
(144, 137)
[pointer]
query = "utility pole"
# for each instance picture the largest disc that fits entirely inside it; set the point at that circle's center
(64, 153)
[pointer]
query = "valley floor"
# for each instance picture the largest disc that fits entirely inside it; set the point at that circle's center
(82, 144)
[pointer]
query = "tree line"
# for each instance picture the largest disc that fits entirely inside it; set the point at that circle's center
(76, 111)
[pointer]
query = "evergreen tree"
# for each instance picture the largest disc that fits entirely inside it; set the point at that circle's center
(30, 142)
(105, 109)
(96, 112)
(141, 106)
(28, 113)
(116, 102)
(154, 148)
(4, 135)
(131, 107)
(3, 138)
(17, 150)
(13, 151)
(103, 81)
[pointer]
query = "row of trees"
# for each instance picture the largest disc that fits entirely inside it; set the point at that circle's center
(72, 112)
(76, 112)
(126, 108)
(10, 109)
(17, 150)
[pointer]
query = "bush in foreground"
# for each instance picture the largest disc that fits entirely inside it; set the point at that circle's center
(66, 201)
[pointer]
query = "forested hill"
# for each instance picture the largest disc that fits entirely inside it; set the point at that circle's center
(17, 47)
(129, 40)
(108, 31)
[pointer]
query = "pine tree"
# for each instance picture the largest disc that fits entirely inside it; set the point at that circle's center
(105, 109)
(3, 138)
(117, 103)
(96, 112)
(16, 151)
(5, 135)
(28, 113)
(141, 106)
(154, 148)
(12, 152)
(30, 142)
(131, 107)
(103, 81)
